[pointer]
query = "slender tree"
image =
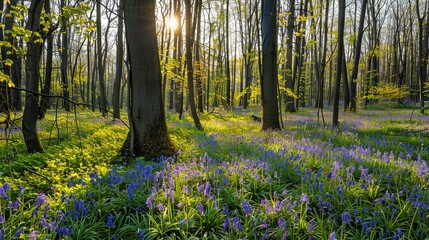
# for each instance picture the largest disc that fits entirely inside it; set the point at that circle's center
(119, 61)
(340, 57)
(189, 65)
(358, 47)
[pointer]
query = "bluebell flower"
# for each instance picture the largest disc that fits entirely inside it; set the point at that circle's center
(236, 223)
(207, 190)
(310, 227)
(247, 208)
(346, 218)
(226, 209)
(33, 235)
(282, 223)
(2, 233)
(200, 208)
(1, 218)
(333, 236)
(110, 221)
(70, 184)
(41, 199)
(18, 233)
(140, 234)
(21, 191)
(226, 225)
(304, 198)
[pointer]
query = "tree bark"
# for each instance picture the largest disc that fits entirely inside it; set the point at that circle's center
(34, 49)
(119, 60)
(100, 66)
(189, 65)
(340, 56)
(148, 136)
(358, 47)
(44, 102)
(270, 116)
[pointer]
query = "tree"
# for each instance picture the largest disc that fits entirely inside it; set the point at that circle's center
(289, 80)
(340, 58)
(44, 102)
(148, 135)
(100, 65)
(64, 55)
(119, 60)
(358, 47)
(270, 117)
(32, 71)
(189, 65)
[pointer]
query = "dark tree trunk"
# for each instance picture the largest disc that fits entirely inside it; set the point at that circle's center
(269, 86)
(290, 83)
(148, 136)
(119, 60)
(34, 49)
(340, 56)
(44, 102)
(358, 47)
(64, 56)
(189, 65)
(198, 61)
(100, 65)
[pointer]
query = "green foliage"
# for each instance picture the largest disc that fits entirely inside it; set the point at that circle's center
(387, 91)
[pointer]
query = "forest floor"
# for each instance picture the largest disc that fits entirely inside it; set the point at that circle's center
(367, 179)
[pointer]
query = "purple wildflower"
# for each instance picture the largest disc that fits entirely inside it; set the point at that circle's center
(33, 235)
(346, 218)
(1, 218)
(140, 234)
(207, 190)
(226, 225)
(247, 208)
(18, 233)
(110, 223)
(236, 223)
(41, 199)
(304, 198)
(200, 208)
(333, 236)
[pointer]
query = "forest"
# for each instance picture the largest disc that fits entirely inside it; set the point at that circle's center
(192, 119)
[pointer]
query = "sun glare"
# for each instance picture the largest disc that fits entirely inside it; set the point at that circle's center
(172, 23)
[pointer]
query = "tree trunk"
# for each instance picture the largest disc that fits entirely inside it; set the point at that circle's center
(34, 49)
(358, 47)
(64, 56)
(198, 61)
(44, 102)
(189, 65)
(119, 60)
(100, 67)
(289, 80)
(148, 136)
(269, 85)
(340, 56)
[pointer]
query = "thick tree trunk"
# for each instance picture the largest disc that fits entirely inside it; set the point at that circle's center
(34, 49)
(270, 116)
(148, 136)
(119, 60)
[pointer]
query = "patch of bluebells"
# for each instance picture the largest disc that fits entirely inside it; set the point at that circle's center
(337, 190)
